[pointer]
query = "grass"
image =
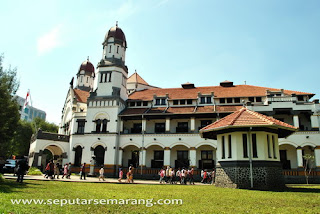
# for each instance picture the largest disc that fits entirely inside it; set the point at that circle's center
(196, 199)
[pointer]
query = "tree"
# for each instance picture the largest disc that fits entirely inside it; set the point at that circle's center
(9, 108)
(20, 143)
(45, 126)
(308, 166)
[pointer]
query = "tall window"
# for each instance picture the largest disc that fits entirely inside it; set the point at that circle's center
(81, 125)
(117, 49)
(229, 147)
(137, 128)
(159, 127)
(268, 145)
(254, 146)
(182, 127)
(98, 125)
(204, 123)
(109, 48)
(274, 147)
(77, 156)
(104, 125)
(223, 149)
(245, 145)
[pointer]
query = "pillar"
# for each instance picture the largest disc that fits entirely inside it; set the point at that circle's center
(296, 120)
(120, 157)
(193, 157)
(142, 157)
(92, 162)
(106, 157)
(167, 124)
(121, 125)
(166, 156)
(192, 124)
(39, 160)
(317, 156)
(299, 157)
(144, 124)
(314, 122)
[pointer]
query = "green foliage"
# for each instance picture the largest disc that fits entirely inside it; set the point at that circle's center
(34, 171)
(21, 141)
(45, 126)
(1, 178)
(9, 108)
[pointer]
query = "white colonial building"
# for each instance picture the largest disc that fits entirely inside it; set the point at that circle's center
(119, 120)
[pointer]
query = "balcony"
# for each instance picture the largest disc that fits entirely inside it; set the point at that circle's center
(282, 99)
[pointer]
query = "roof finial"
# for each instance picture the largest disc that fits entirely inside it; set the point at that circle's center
(244, 104)
(116, 23)
(135, 70)
(88, 58)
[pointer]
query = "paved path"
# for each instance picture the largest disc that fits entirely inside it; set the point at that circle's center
(75, 178)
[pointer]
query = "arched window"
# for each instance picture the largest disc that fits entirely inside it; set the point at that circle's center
(78, 156)
(104, 125)
(98, 125)
(99, 153)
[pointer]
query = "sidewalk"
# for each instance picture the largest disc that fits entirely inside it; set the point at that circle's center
(75, 178)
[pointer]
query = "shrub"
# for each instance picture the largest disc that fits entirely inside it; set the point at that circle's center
(34, 171)
(1, 178)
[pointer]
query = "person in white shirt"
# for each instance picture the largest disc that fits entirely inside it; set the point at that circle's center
(101, 172)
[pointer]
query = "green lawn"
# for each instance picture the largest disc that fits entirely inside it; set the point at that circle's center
(196, 199)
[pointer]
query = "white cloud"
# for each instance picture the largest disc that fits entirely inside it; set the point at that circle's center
(50, 40)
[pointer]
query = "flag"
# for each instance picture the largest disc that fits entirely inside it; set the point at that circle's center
(27, 100)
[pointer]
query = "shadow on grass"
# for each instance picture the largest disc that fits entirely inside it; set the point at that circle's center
(303, 188)
(8, 186)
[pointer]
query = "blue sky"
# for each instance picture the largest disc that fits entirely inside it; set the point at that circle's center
(265, 43)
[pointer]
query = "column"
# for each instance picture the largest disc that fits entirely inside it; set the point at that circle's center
(121, 125)
(166, 156)
(92, 162)
(120, 156)
(193, 157)
(167, 124)
(192, 124)
(296, 120)
(317, 156)
(39, 160)
(144, 125)
(299, 157)
(106, 157)
(314, 123)
(142, 157)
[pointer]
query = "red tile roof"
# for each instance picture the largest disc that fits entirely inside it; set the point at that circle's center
(136, 78)
(81, 96)
(219, 91)
(181, 110)
(246, 118)
(134, 111)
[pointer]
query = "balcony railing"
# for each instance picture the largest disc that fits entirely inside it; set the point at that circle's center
(282, 99)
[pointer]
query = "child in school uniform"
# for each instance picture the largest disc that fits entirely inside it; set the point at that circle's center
(101, 172)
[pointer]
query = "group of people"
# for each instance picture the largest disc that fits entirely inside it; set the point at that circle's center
(170, 176)
(208, 177)
(52, 170)
(183, 176)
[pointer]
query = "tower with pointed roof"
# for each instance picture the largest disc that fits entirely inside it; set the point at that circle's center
(85, 76)
(248, 150)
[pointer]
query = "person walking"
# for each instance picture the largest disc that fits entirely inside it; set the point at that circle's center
(212, 177)
(191, 172)
(22, 167)
(101, 172)
(83, 172)
(120, 175)
(161, 173)
(183, 176)
(65, 170)
(69, 170)
(56, 170)
(178, 176)
(51, 169)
